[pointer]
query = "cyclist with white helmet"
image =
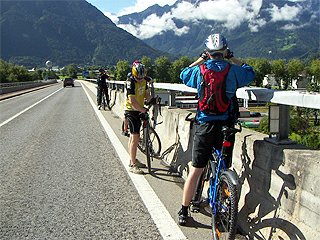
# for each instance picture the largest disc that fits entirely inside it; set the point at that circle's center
(137, 92)
(218, 58)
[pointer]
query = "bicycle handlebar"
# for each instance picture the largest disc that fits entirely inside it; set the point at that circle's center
(225, 129)
(232, 130)
(188, 119)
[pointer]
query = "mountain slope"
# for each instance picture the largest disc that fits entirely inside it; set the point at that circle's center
(270, 28)
(64, 32)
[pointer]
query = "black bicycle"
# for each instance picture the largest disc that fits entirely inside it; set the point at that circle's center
(222, 191)
(105, 99)
(149, 143)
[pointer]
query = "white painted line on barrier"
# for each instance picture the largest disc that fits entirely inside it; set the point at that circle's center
(18, 114)
(167, 227)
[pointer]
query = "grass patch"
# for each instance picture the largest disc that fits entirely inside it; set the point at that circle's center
(260, 109)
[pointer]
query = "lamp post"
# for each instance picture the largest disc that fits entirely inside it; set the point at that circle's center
(279, 117)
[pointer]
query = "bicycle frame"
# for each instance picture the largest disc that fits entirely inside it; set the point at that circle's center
(219, 167)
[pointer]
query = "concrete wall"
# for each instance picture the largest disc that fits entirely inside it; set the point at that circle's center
(279, 183)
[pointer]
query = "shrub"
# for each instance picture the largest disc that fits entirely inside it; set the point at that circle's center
(299, 124)
(264, 125)
(311, 140)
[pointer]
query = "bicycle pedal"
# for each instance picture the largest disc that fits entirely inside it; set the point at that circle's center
(195, 208)
(126, 134)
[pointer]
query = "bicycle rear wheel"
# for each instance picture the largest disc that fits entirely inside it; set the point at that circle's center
(225, 220)
(155, 143)
(111, 98)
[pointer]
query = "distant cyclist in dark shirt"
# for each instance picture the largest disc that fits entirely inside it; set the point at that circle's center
(102, 87)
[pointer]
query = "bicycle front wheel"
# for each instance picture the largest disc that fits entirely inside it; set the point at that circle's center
(224, 221)
(154, 143)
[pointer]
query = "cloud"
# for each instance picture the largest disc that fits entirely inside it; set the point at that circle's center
(291, 26)
(285, 13)
(230, 13)
(113, 17)
(154, 25)
(255, 24)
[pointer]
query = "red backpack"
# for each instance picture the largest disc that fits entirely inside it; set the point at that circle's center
(213, 98)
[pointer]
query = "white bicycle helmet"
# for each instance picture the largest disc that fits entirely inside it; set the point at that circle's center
(216, 43)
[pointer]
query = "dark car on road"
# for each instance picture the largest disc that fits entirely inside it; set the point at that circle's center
(68, 82)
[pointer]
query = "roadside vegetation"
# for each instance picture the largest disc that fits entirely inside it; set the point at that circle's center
(304, 123)
(304, 126)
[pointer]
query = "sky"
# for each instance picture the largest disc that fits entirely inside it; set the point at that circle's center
(229, 13)
(122, 7)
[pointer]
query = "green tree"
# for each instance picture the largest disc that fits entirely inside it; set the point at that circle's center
(162, 67)
(262, 67)
(123, 68)
(18, 74)
(13, 73)
(4, 71)
(72, 70)
(315, 70)
(147, 62)
(295, 68)
(176, 68)
(278, 68)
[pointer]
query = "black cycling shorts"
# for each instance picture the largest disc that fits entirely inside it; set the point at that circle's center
(134, 121)
(207, 136)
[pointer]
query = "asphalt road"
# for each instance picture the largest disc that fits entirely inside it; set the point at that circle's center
(61, 177)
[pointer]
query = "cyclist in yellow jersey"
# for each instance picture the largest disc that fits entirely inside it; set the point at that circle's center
(137, 93)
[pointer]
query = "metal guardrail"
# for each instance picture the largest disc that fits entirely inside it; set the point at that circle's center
(17, 86)
(284, 99)
(14, 84)
(292, 98)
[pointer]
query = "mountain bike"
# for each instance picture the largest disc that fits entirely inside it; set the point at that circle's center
(222, 190)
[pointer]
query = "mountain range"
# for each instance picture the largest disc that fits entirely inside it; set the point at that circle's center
(257, 28)
(64, 32)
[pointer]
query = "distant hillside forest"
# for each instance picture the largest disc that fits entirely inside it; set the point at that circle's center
(64, 32)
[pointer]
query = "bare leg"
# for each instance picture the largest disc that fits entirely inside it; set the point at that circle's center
(132, 147)
(190, 185)
(125, 125)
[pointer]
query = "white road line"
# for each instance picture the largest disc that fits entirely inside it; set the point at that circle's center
(18, 114)
(167, 227)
